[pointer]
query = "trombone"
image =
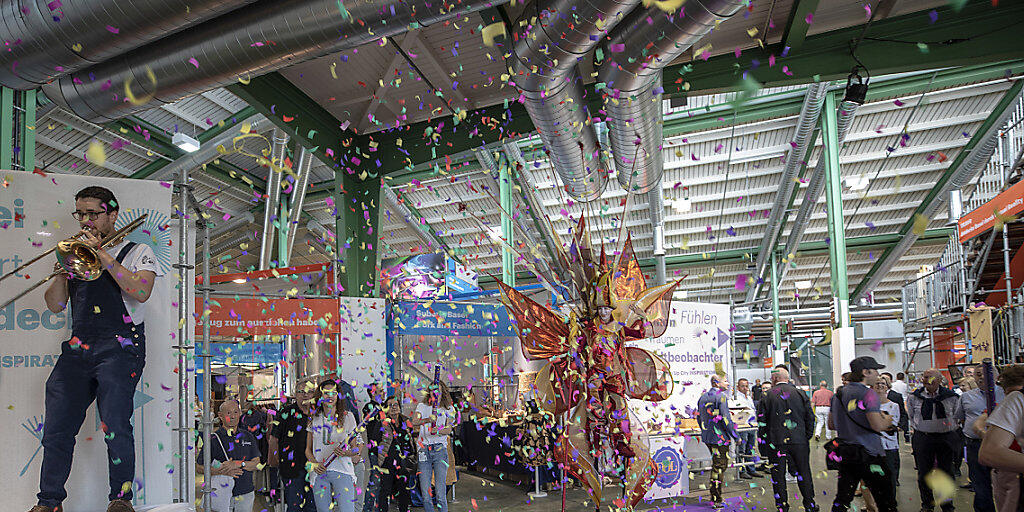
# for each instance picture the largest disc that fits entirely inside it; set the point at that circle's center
(76, 258)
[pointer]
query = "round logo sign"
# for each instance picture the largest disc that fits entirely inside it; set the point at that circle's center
(670, 467)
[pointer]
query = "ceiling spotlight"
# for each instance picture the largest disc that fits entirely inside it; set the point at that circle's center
(185, 143)
(856, 87)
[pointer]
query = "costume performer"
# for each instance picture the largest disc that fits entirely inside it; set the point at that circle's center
(592, 372)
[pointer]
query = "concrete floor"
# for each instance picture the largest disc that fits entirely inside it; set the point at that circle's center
(495, 495)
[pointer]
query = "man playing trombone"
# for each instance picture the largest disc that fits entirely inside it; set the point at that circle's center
(104, 358)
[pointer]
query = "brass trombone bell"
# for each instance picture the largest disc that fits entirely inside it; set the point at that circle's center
(79, 259)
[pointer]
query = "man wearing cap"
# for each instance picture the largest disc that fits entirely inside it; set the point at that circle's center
(933, 411)
(857, 420)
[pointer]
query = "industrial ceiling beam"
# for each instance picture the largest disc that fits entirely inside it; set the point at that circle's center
(795, 32)
(960, 170)
(968, 37)
(817, 248)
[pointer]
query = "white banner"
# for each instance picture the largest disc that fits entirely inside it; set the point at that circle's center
(673, 479)
(35, 213)
(364, 359)
(695, 345)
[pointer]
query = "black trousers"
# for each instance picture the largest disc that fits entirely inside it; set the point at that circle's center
(394, 490)
(857, 465)
(798, 459)
(933, 451)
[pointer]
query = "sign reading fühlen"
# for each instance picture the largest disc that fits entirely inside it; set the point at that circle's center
(1008, 203)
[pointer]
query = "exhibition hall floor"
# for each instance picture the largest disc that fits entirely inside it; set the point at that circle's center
(491, 495)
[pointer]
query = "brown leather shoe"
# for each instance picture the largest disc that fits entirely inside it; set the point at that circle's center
(120, 506)
(44, 508)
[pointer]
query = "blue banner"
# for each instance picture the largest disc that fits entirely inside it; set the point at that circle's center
(448, 319)
(265, 354)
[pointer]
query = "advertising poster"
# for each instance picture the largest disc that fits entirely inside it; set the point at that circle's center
(695, 345)
(35, 213)
(673, 479)
(421, 276)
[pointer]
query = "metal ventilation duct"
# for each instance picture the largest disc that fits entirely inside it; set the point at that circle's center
(240, 220)
(278, 149)
(809, 113)
(50, 39)
(554, 36)
(264, 37)
(298, 198)
(656, 205)
(652, 39)
(815, 186)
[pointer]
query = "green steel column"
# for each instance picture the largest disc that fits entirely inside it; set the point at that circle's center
(6, 127)
(356, 219)
(834, 207)
(776, 324)
(27, 141)
(508, 258)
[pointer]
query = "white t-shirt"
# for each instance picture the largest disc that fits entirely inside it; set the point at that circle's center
(889, 441)
(326, 434)
(440, 418)
(1009, 416)
(141, 257)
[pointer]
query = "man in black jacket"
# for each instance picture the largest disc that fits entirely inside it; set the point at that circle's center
(785, 422)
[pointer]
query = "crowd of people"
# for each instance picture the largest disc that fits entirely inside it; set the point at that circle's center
(944, 426)
(313, 447)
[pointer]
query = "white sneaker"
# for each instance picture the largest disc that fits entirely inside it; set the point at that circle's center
(790, 478)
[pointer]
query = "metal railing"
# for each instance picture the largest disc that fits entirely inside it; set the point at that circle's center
(937, 293)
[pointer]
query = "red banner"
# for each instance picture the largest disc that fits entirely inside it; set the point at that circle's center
(277, 317)
(1006, 204)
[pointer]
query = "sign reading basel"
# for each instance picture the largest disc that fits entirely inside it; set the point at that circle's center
(1009, 202)
(254, 317)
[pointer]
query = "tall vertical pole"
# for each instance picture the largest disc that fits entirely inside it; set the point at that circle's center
(843, 348)
(776, 323)
(27, 138)
(1008, 158)
(184, 469)
(834, 208)
(508, 259)
(6, 128)
(207, 384)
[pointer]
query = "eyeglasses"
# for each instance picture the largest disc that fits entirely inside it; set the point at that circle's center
(79, 215)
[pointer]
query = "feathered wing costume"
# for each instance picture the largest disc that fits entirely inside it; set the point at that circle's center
(591, 372)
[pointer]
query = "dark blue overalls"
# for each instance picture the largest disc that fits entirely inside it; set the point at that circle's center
(103, 362)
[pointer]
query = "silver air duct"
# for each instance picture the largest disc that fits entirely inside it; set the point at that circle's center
(809, 113)
(50, 39)
(264, 37)
(651, 39)
(978, 158)
(231, 243)
(206, 153)
(279, 143)
(554, 36)
(815, 187)
(392, 203)
(298, 197)
(240, 220)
